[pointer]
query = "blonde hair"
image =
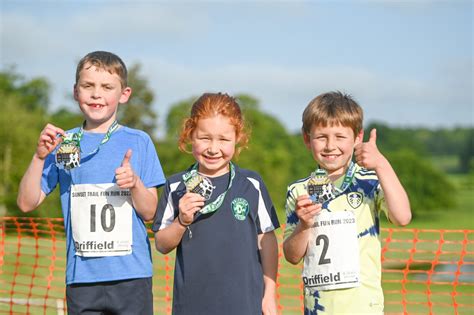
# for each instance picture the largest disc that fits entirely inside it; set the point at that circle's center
(104, 60)
(333, 108)
(210, 105)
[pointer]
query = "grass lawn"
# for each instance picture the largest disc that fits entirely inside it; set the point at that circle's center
(32, 269)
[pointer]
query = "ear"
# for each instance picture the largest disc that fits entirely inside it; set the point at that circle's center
(360, 137)
(126, 92)
(75, 93)
(307, 140)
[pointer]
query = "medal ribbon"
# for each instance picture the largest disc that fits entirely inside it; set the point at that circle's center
(347, 178)
(106, 138)
(346, 181)
(215, 205)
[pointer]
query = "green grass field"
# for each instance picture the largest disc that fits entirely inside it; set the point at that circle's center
(32, 269)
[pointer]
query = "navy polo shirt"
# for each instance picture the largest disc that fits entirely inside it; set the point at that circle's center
(218, 270)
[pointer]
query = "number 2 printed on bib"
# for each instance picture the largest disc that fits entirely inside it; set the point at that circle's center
(101, 220)
(332, 257)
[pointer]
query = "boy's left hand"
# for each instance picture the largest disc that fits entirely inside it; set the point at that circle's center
(367, 154)
(124, 175)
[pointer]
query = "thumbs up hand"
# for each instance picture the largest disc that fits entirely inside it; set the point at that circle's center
(124, 174)
(367, 154)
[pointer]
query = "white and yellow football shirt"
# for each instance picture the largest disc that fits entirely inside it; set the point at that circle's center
(363, 200)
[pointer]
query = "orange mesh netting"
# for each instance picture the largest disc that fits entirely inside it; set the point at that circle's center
(423, 271)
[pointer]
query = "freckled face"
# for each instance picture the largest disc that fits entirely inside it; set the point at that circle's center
(332, 147)
(98, 93)
(213, 145)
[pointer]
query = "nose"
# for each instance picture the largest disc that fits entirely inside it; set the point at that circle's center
(95, 93)
(330, 144)
(213, 148)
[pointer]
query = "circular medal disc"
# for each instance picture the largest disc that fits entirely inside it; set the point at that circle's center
(68, 156)
(199, 184)
(319, 187)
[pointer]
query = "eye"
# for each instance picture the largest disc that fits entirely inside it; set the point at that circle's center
(108, 87)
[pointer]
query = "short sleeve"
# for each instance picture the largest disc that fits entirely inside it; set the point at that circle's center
(151, 171)
(380, 202)
(50, 175)
(291, 218)
(166, 210)
(267, 217)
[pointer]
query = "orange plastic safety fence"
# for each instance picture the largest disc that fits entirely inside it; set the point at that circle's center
(423, 271)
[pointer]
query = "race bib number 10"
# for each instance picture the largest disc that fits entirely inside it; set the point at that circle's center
(332, 258)
(101, 220)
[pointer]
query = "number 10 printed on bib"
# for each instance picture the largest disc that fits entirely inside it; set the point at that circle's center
(101, 220)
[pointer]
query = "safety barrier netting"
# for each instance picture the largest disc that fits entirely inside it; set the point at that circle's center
(423, 271)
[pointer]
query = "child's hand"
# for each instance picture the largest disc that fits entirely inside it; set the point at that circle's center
(367, 154)
(48, 140)
(269, 305)
(124, 174)
(306, 210)
(189, 204)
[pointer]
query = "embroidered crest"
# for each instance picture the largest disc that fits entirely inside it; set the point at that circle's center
(355, 199)
(240, 208)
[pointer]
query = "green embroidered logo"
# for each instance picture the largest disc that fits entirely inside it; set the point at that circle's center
(355, 199)
(240, 208)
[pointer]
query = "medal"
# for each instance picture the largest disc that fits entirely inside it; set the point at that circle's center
(68, 155)
(320, 188)
(198, 184)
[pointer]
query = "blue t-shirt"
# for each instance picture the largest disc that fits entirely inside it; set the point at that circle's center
(218, 270)
(99, 168)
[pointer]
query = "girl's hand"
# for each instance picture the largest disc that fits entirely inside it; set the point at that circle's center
(306, 211)
(48, 140)
(269, 305)
(189, 204)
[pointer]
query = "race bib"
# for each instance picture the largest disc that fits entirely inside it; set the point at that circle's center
(332, 258)
(101, 220)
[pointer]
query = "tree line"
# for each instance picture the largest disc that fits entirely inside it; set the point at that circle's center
(278, 155)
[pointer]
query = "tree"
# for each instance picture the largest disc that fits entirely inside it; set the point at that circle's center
(138, 112)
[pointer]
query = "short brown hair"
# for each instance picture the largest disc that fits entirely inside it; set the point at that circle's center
(104, 60)
(210, 105)
(333, 108)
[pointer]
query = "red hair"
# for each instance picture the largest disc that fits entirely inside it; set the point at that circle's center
(211, 105)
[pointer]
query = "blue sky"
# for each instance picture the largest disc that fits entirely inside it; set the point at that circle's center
(408, 63)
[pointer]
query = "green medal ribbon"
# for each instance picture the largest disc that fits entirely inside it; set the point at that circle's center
(106, 138)
(347, 178)
(68, 155)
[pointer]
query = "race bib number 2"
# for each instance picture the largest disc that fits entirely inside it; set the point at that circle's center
(332, 258)
(101, 220)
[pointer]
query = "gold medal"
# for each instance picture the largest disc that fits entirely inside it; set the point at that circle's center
(320, 188)
(198, 184)
(68, 155)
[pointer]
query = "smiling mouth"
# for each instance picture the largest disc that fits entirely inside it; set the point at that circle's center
(212, 158)
(96, 105)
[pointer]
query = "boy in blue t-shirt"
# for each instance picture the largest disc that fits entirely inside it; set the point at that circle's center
(108, 176)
